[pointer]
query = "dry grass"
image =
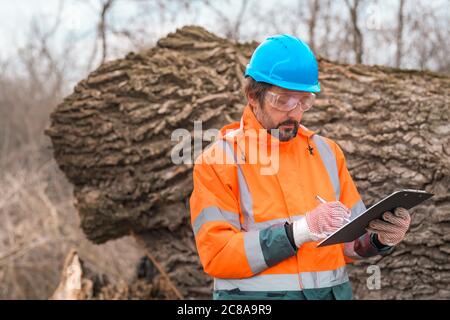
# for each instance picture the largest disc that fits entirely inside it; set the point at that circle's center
(40, 225)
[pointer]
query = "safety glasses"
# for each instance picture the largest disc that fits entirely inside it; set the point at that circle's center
(287, 102)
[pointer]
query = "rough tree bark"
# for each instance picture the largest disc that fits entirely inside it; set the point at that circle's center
(112, 139)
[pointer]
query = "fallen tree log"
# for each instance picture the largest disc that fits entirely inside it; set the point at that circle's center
(112, 139)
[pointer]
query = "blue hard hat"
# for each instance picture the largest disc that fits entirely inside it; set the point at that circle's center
(285, 61)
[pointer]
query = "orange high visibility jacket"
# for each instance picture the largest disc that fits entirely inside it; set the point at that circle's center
(238, 213)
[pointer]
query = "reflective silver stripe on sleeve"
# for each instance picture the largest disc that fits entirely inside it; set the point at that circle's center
(329, 160)
(213, 213)
(272, 222)
(253, 251)
(217, 214)
(269, 223)
(285, 282)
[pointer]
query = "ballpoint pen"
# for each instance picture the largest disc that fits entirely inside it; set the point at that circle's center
(323, 201)
(320, 199)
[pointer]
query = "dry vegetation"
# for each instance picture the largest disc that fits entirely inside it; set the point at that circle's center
(38, 221)
(40, 225)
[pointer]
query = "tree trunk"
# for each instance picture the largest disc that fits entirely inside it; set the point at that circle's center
(112, 139)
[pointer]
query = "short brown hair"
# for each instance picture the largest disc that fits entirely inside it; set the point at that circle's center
(257, 89)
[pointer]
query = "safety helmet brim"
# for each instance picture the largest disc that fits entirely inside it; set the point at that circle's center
(259, 77)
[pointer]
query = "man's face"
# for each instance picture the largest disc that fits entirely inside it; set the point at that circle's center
(287, 122)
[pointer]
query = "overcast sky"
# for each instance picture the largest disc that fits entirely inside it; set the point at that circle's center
(79, 18)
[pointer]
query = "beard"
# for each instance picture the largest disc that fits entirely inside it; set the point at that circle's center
(285, 130)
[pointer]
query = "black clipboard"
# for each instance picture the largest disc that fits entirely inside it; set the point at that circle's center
(406, 198)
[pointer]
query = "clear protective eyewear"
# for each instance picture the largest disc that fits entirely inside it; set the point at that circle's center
(287, 102)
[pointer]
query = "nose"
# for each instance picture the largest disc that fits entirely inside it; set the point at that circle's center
(296, 114)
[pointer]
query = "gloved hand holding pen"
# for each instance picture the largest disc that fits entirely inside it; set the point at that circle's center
(317, 224)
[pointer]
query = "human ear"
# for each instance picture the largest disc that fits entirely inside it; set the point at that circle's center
(252, 101)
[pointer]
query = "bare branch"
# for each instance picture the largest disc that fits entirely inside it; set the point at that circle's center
(314, 13)
(400, 23)
(106, 6)
(231, 27)
(238, 22)
(357, 35)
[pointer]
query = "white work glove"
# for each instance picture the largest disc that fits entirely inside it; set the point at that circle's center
(319, 223)
(392, 229)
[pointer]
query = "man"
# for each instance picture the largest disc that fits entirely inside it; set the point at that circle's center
(257, 233)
